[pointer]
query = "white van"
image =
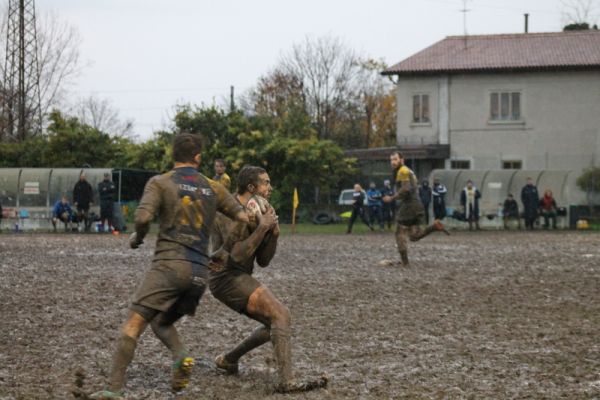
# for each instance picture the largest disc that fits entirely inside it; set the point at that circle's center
(346, 197)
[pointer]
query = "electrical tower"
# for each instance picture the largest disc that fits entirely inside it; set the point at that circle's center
(21, 102)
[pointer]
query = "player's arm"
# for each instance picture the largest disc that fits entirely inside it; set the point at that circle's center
(227, 204)
(144, 214)
(244, 249)
(266, 251)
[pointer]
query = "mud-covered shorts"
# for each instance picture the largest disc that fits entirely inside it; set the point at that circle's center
(233, 288)
(170, 285)
(410, 211)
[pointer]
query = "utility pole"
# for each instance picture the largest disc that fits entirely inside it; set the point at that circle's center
(231, 99)
(465, 10)
(21, 101)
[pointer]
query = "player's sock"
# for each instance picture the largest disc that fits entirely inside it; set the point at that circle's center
(282, 347)
(229, 361)
(121, 360)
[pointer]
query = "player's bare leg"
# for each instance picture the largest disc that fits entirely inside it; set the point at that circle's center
(264, 307)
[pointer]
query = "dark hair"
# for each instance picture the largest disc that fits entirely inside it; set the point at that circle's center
(186, 146)
(248, 175)
(398, 153)
(220, 161)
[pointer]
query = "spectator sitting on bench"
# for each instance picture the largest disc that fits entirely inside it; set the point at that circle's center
(548, 209)
(510, 210)
(62, 212)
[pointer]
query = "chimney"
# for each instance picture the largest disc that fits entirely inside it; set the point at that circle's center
(526, 23)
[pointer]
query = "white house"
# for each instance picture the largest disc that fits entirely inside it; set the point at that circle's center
(513, 101)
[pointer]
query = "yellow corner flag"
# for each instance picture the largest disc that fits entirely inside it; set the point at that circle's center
(295, 203)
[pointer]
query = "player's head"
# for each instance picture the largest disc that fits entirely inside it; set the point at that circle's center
(436, 181)
(470, 184)
(396, 159)
(82, 176)
(187, 148)
(106, 176)
(529, 180)
(372, 185)
(63, 199)
(357, 187)
(510, 196)
(254, 180)
(386, 182)
(220, 166)
(548, 193)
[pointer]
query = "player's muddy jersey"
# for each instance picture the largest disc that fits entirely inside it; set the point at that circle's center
(405, 174)
(186, 203)
(227, 232)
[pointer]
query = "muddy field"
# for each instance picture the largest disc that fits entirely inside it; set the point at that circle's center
(493, 315)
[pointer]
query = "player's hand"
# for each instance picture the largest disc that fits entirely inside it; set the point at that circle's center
(268, 219)
(387, 199)
(134, 242)
(275, 228)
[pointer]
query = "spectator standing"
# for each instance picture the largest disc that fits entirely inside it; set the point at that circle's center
(389, 209)
(548, 209)
(530, 200)
(439, 199)
(374, 204)
(220, 174)
(83, 196)
(510, 210)
(469, 199)
(106, 192)
(62, 212)
(358, 208)
(425, 196)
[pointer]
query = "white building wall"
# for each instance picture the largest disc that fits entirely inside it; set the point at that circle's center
(559, 130)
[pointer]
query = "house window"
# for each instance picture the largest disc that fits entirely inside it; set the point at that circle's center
(460, 164)
(420, 108)
(512, 164)
(505, 106)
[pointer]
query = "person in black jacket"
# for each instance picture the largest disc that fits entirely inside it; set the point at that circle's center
(83, 196)
(530, 199)
(425, 196)
(106, 192)
(510, 210)
(358, 208)
(439, 203)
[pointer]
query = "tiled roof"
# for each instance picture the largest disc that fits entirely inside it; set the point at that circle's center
(525, 51)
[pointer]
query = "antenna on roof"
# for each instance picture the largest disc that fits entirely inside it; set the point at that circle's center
(465, 10)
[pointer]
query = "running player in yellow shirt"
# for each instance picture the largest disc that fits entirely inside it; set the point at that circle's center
(410, 212)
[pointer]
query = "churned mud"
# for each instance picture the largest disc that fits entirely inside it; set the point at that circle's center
(490, 315)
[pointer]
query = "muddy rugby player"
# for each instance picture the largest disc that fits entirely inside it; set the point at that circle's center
(237, 245)
(410, 212)
(186, 203)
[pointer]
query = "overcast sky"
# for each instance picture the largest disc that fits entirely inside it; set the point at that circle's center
(148, 55)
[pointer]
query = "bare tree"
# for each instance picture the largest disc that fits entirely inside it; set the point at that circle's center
(580, 11)
(327, 70)
(100, 114)
(373, 90)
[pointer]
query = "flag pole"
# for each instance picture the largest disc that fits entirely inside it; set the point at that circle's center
(295, 203)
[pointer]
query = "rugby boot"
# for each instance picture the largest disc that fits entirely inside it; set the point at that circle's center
(222, 363)
(106, 395)
(181, 372)
(439, 226)
(303, 386)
